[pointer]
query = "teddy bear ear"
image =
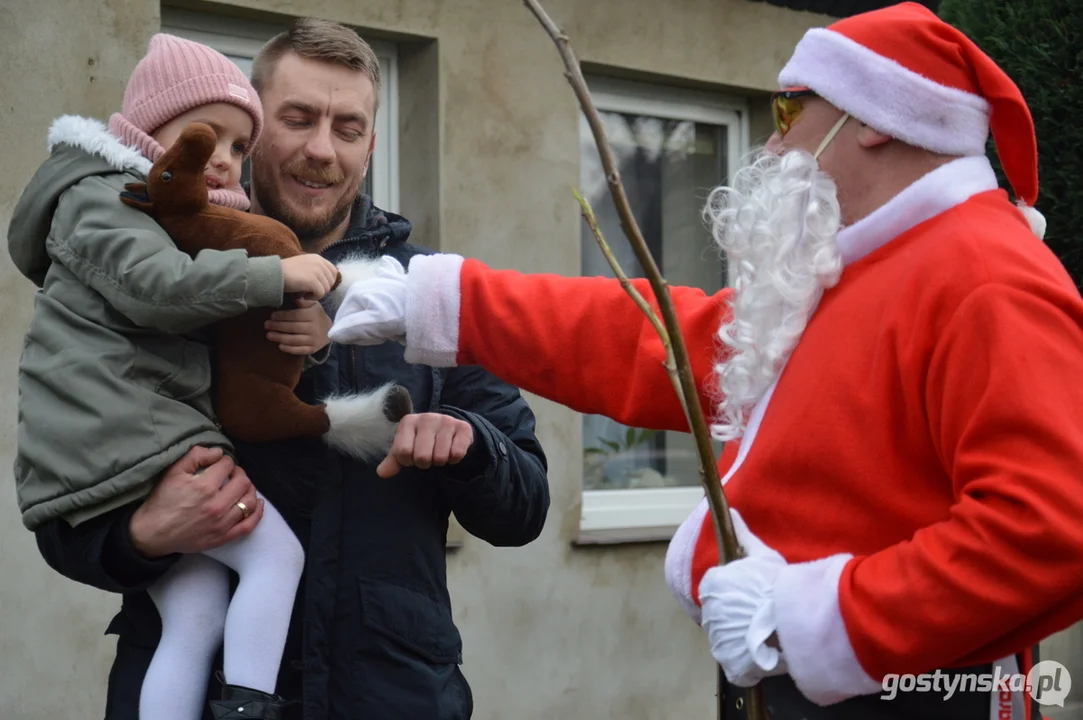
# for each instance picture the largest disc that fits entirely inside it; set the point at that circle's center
(135, 195)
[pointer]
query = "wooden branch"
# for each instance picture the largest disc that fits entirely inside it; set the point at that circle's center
(670, 363)
(677, 363)
(727, 540)
(592, 223)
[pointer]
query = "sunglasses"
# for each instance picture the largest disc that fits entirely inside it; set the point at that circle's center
(786, 105)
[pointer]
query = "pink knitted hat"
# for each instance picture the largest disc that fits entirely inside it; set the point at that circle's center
(175, 76)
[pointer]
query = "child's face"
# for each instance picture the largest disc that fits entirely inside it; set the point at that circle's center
(231, 124)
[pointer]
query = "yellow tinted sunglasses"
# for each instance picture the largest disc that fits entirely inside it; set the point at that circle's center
(786, 105)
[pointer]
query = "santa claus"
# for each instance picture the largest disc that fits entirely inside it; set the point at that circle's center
(896, 367)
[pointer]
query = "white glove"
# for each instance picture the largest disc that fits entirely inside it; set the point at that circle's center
(373, 310)
(737, 602)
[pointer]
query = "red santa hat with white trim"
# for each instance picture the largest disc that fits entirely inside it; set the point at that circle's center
(908, 74)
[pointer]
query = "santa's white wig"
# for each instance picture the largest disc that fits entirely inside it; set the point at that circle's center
(777, 225)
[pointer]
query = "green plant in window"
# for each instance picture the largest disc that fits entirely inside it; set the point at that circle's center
(633, 438)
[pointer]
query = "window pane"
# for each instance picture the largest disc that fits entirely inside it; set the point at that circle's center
(244, 63)
(667, 168)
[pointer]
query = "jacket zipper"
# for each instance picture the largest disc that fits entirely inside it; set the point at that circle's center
(350, 238)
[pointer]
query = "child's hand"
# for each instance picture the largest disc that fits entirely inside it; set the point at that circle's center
(309, 274)
(302, 331)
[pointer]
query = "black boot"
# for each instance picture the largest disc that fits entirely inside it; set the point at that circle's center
(241, 703)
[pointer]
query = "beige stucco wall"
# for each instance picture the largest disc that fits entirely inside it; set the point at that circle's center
(552, 630)
(57, 57)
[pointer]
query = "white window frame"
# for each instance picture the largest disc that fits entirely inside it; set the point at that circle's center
(637, 514)
(244, 38)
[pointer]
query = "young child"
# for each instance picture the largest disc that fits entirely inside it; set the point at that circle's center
(114, 383)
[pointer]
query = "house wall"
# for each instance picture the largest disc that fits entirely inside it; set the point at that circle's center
(489, 150)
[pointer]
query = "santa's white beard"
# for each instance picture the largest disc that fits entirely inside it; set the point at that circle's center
(777, 226)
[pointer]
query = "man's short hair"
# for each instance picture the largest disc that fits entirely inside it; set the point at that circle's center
(317, 39)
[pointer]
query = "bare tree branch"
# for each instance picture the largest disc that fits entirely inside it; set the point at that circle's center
(677, 363)
(670, 363)
(728, 545)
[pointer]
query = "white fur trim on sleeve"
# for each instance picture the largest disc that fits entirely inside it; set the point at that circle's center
(812, 635)
(679, 556)
(433, 300)
(887, 96)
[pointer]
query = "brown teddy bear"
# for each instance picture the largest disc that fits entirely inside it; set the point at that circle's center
(254, 387)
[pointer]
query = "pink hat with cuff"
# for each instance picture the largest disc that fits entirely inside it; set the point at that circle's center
(175, 76)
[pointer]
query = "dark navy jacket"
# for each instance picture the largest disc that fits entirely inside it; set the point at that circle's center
(372, 634)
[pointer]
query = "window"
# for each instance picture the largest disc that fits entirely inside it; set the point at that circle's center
(240, 40)
(672, 147)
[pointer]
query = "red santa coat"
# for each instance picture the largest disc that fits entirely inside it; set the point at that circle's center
(919, 462)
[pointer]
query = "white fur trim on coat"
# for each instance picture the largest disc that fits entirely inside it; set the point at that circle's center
(94, 137)
(813, 636)
(936, 192)
(433, 305)
(887, 96)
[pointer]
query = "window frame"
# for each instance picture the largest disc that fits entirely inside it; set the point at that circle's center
(648, 514)
(244, 38)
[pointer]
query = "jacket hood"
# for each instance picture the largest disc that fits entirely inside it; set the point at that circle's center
(79, 147)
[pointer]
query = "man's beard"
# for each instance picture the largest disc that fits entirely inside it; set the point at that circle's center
(309, 227)
(777, 226)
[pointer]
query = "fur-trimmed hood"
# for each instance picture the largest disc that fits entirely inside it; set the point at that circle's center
(79, 147)
(94, 138)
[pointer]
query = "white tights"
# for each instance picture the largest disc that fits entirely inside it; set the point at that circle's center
(197, 616)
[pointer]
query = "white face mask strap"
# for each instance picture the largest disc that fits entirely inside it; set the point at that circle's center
(831, 135)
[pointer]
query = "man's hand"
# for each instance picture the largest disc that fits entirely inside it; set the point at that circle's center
(194, 507)
(302, 331)
(426, 440)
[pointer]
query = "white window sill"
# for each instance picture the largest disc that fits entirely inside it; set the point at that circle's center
(635, 515)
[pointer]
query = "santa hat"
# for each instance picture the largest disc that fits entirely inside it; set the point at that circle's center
(906, 73)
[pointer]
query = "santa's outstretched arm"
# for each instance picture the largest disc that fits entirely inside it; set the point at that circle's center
(578, 341)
